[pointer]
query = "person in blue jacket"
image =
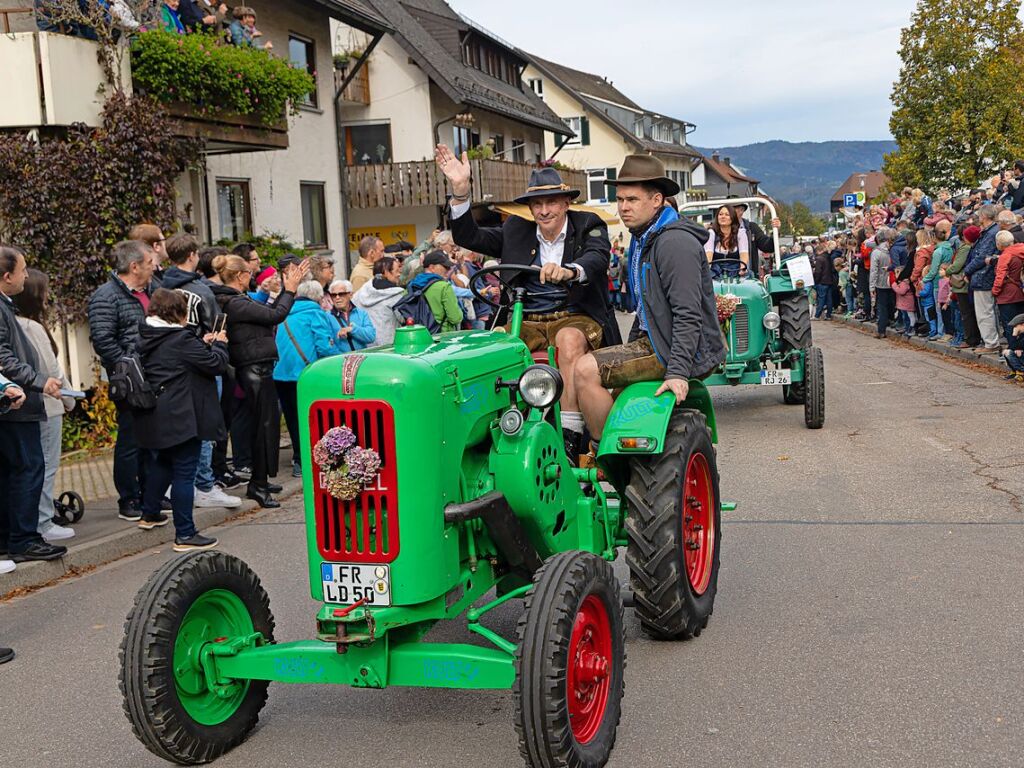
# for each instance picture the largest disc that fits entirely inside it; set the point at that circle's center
(307, 335)
(357, 330)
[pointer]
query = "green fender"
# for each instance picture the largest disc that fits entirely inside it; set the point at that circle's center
(638, 413)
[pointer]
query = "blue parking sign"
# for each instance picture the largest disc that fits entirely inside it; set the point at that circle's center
(850, 201)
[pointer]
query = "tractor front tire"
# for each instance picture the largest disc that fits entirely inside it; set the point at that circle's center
(795, 333)
(675, 531)
(187, 603)
(570, 664)
(814, 381)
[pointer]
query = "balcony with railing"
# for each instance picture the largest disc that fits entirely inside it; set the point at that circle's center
(52, 81)
(420, 182)
(358, 90)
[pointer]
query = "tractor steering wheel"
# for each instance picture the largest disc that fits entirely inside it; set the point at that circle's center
(509, 293)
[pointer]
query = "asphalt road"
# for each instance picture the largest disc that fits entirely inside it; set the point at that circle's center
(869, 608)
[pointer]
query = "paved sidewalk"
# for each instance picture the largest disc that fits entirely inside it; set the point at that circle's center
(101, 537)
(92, 478)
(994, 362)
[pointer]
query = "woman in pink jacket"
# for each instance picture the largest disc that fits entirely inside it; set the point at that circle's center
(906, 302)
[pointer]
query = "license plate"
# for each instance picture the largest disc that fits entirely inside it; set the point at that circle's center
(348, 583)
(777, 376)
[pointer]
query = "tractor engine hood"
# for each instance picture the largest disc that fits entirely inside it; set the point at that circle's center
(421, 405)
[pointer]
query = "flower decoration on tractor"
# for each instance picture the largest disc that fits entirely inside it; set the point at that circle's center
(347, 467)
(726, 305)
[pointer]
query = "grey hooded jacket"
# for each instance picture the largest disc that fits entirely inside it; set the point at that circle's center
(679, 302)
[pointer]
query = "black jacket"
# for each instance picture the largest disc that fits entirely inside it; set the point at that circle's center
(586, 244)
(114, 318)
(202, 306)
(19, 363)
(823, 268)
(679, 301)
(759, 241)
(182, 370)
(191, 14)
(252, 327)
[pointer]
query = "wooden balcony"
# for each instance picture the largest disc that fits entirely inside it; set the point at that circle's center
(226, 132)
(358, 91)
(403, 185)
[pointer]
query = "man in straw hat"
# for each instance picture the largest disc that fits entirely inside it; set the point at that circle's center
(676, 336)
(573, 251)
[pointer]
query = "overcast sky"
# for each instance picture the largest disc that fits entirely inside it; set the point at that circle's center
(800, 70)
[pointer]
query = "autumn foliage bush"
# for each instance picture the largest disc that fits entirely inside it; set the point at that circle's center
(66, 199)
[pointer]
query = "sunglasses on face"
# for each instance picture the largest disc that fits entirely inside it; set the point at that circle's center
(342, 293)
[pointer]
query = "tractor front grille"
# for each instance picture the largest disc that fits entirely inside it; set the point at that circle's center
(365, 529)
(741, 330)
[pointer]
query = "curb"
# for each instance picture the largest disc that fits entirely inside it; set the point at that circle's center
(130, 541)
(967, 355)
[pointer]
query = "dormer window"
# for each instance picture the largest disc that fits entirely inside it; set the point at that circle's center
(490, 60)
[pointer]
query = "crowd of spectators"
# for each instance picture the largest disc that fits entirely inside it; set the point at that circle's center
(236, 25)
(947, 270)
(220, 338)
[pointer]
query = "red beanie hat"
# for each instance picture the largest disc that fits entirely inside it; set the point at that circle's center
(972, 233)
(270, 272)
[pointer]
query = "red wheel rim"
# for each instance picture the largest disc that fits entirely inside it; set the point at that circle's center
(590, 667)
(698, 523)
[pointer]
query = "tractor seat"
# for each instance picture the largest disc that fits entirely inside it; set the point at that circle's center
(541, 356)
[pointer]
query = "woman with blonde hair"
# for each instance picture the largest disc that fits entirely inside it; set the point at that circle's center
(252, 347)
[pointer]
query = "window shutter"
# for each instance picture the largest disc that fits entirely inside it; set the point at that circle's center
(584, 131)
(610, 174)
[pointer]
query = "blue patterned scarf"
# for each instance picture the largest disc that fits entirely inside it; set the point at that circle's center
(636, 247)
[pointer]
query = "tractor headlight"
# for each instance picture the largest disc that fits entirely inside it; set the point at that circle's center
(540, 386)
(772, 321)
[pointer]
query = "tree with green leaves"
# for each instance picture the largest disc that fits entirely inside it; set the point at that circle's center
(957, 105)
(797, 220)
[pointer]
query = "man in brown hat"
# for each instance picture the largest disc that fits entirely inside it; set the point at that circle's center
(573, 252)
(676, 336)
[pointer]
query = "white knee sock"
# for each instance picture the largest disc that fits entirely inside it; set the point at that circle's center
(573, 421)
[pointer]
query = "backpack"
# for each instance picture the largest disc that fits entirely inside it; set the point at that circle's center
(128, 385)
(413, 309)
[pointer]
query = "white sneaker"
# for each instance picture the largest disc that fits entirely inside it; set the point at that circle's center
(6, 566)
(215, 498)
(54, 532)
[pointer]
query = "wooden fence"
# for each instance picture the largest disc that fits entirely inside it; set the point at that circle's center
(401, 185)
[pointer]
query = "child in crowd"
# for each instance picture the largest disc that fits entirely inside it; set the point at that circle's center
(845, 286)
(181, 369)
(1015, 352)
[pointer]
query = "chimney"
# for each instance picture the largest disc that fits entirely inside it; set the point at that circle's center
(714, 155)
(726, 161)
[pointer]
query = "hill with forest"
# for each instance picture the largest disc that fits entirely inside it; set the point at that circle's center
(808, 172)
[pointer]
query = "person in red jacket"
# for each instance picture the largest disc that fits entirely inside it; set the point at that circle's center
(1007, 285)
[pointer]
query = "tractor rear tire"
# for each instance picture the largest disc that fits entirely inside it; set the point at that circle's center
(674, 527)
(814, 380)
(570, 664)
(795, 333)
(186, 603)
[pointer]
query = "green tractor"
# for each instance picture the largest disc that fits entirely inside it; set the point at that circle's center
(769, 334)
(472, 503)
